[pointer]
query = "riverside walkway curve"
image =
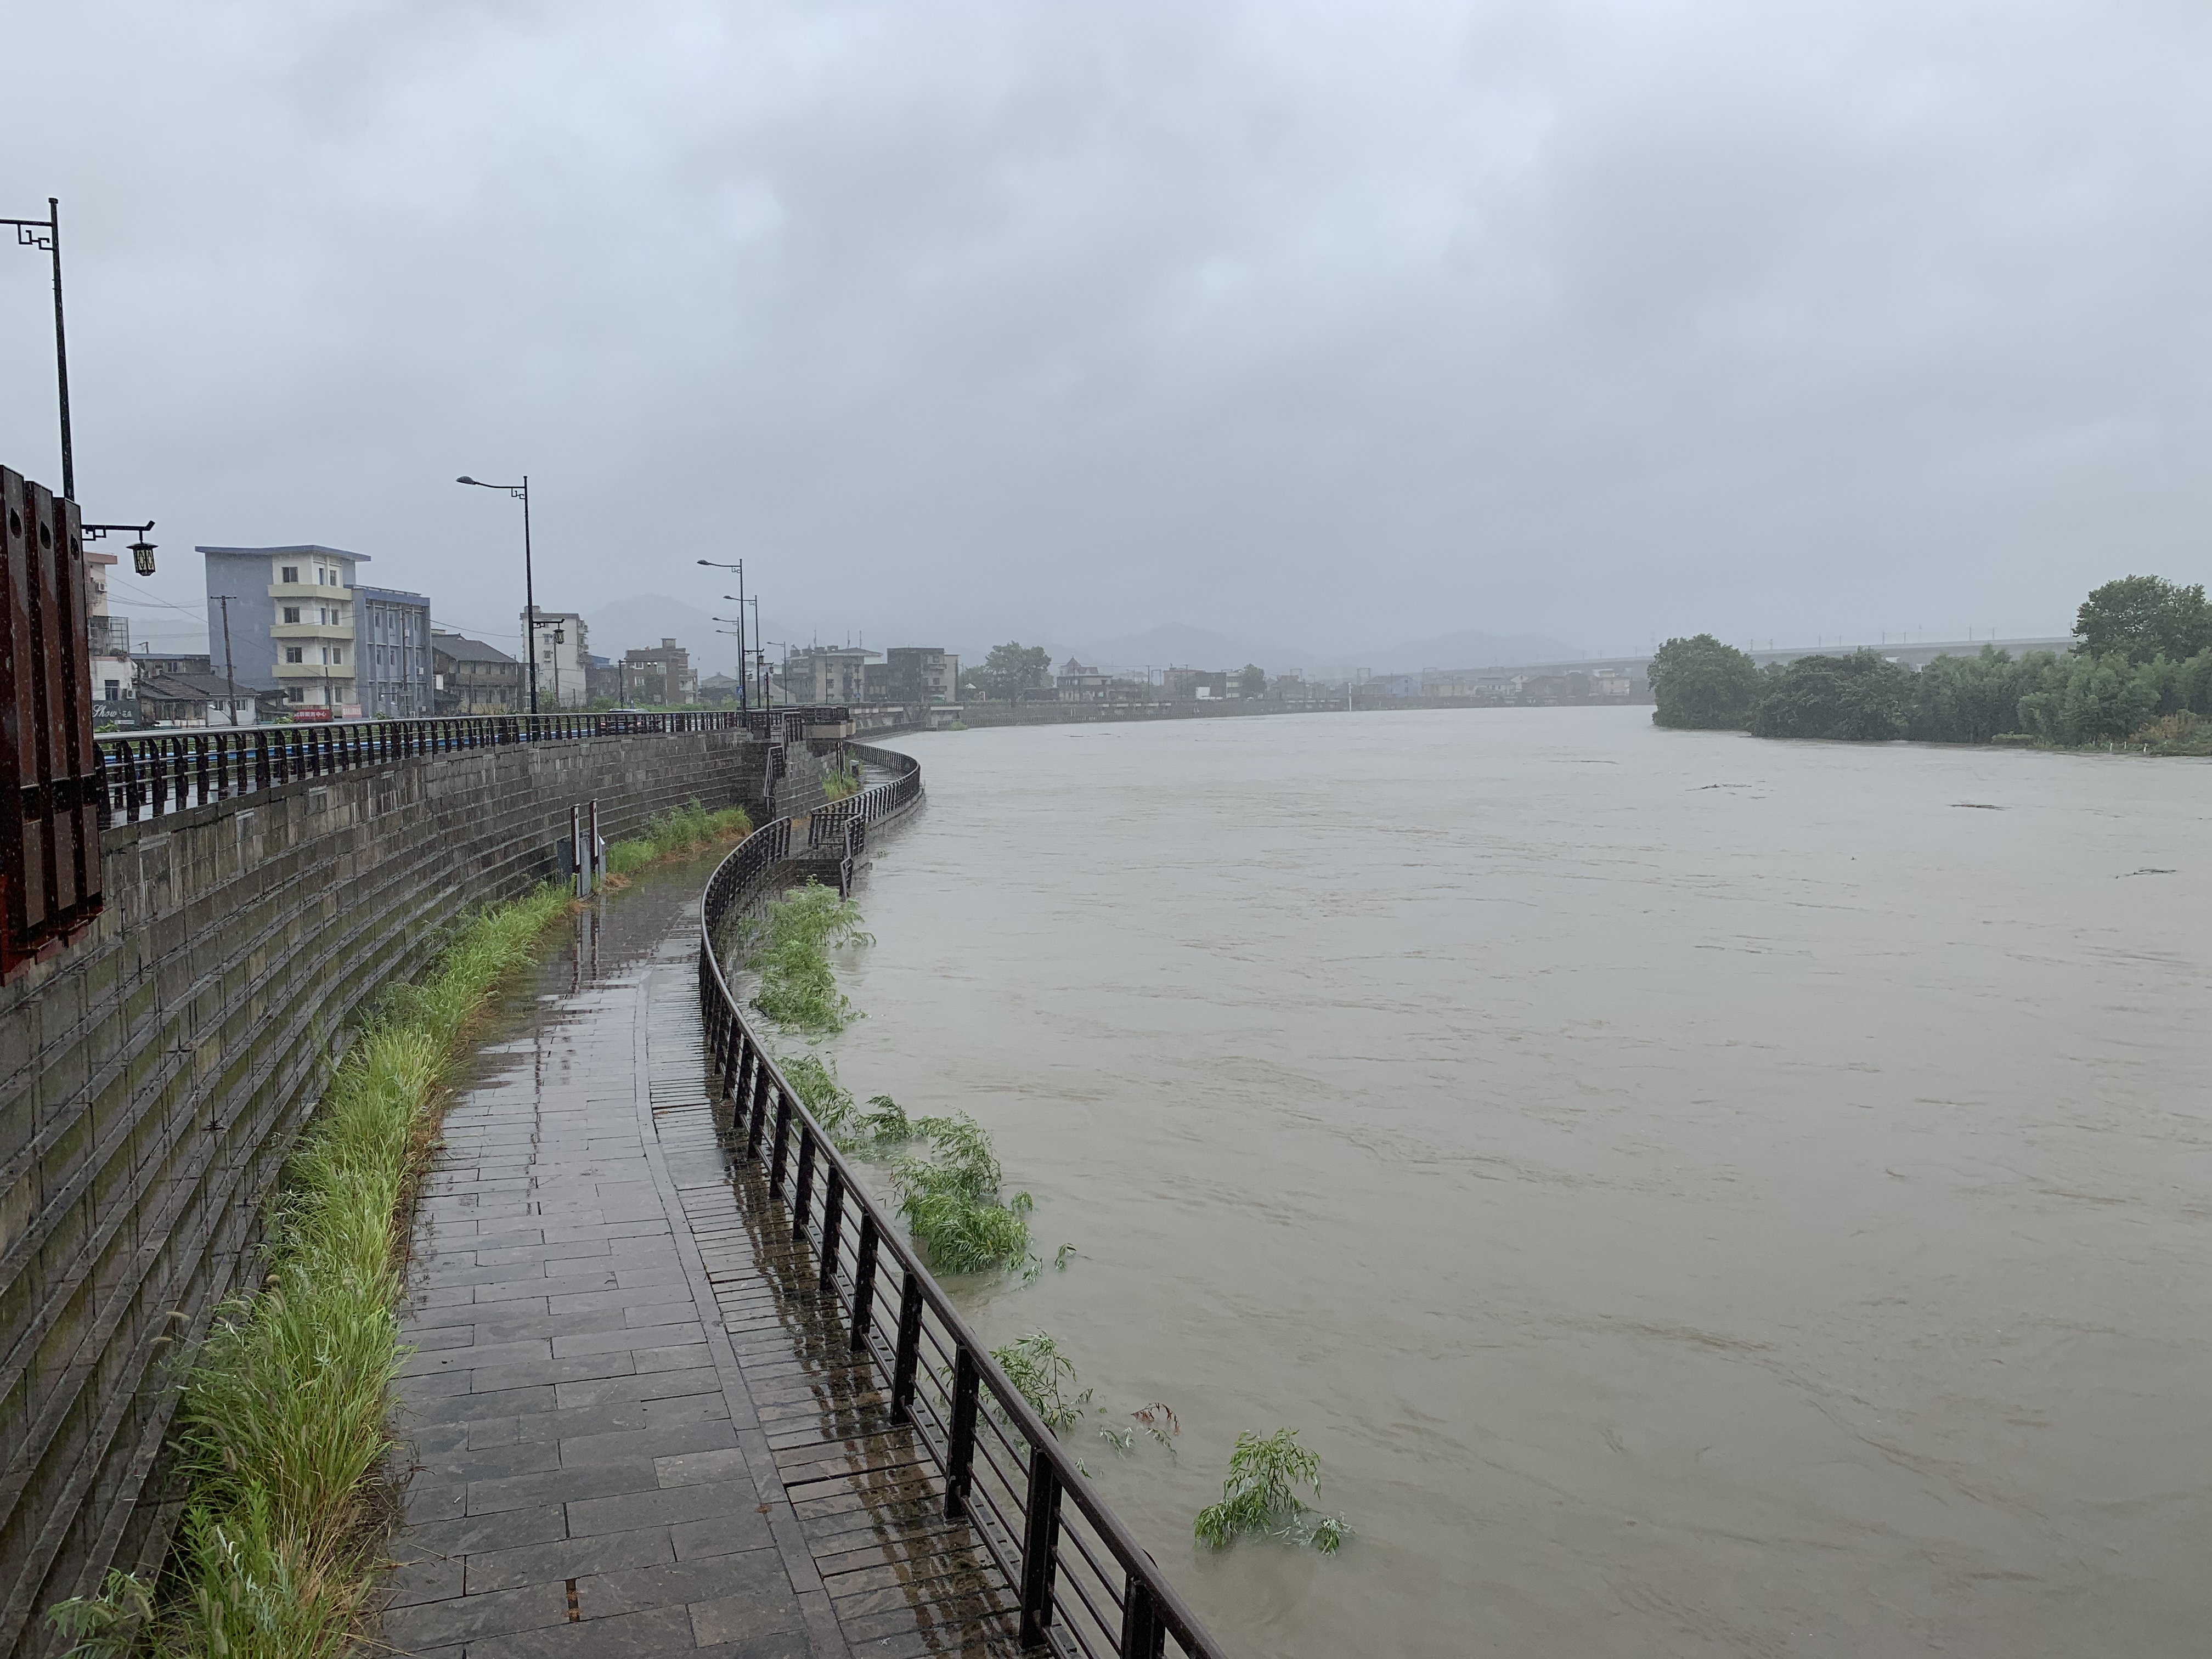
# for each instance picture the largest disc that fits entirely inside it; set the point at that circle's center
(680, 1386)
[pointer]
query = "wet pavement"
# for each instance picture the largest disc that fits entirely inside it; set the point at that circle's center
(634, 1425)
(589, 1471)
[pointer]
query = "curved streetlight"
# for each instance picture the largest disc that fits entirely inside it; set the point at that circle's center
(745, 701)
(521, 493)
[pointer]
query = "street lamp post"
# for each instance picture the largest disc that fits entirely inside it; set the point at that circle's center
(46, 233)
(521, 493)
(744, 703)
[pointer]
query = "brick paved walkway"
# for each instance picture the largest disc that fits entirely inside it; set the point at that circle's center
(590, 1474)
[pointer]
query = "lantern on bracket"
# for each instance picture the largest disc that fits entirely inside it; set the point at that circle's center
(142, 550)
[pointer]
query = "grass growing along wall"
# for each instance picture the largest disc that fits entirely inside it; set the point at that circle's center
(282, 1426)
(688, 829)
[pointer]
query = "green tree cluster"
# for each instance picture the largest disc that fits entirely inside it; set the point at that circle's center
(1010, 670)
(2142, 658)
(1861, 698)
(1702, 685)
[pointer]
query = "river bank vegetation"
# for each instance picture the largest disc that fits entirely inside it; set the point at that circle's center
(687, 829)
(2139, 674)
(1260, 1498)
(942, 1169)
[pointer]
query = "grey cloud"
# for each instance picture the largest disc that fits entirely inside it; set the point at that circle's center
(1328, 325)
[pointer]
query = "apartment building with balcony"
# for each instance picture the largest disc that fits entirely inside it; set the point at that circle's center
(293, 622)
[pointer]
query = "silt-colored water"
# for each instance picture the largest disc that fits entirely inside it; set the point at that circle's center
(1699, 1196)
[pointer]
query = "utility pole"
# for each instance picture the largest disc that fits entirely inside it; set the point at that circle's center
(229, 678)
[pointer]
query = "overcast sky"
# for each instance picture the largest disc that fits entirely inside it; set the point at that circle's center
(966, 319)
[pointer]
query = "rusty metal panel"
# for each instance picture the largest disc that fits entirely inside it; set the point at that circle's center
(50, 785)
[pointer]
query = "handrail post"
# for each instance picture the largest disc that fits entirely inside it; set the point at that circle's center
(802, 1197)
(833, 1221)
(864, 1278)
(1143, 1635)
(782, 1141)
(960, 1448)
(906, 1351)
(756, 1111)
(1040, 1512)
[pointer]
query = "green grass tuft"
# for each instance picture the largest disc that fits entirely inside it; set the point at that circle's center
(1259, 1499)
(686, 829)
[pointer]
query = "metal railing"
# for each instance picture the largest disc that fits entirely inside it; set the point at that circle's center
(150, 774)
(1083, 1585)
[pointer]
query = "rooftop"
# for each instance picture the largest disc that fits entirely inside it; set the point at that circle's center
(302, 547)
(461, 648)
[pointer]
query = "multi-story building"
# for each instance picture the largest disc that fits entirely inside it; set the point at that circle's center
(916, 673)
(292, 626)
(472, 677)
(663, 674)
(818, 675)
(113, 673)
(563, 663)
(392, 652)
(1079, 682)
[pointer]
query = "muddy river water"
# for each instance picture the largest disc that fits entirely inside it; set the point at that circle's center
(1698, 1195)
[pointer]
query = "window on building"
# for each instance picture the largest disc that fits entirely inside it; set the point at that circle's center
(114, 690)
(290, 573)
(291, 613)
(296, 654)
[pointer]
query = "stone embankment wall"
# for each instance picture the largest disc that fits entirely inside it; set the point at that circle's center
(152, 1078)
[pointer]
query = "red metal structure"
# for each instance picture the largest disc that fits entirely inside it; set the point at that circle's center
(50, 779)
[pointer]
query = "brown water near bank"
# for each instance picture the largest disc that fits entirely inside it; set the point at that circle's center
(1699, 1195)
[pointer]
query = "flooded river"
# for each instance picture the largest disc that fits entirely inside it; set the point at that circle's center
(1698, 1196)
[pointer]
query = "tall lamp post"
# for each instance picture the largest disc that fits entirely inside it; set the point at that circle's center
(47, 234)
(521, 493)
(744, 702)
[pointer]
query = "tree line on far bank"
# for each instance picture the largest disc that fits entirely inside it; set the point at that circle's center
(2139, 671)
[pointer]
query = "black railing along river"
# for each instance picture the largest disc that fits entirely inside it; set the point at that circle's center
(1083, 1584)
(149, 774)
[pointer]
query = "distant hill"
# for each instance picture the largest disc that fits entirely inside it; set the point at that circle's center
(1469, 650)
(646, 619)
(1201, 647)
(1176, 644)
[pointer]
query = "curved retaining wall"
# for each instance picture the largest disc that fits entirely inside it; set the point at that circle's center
(152, 1078)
